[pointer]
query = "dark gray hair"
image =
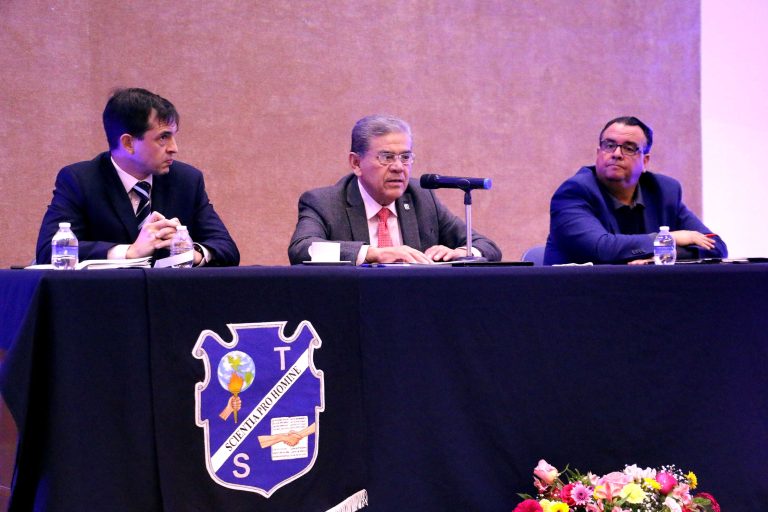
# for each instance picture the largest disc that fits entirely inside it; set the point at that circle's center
(375, 126)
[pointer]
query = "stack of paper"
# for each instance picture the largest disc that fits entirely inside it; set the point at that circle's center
(102, 264)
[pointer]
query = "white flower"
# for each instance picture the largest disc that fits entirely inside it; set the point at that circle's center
(638, 474)
(673, 505)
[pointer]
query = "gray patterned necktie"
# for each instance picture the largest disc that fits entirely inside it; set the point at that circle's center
(143, 189)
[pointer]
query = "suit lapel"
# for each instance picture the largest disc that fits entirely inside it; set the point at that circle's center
(610, 215)
(409, 225)
(118, 198)
(606, 205)
(160, 192)
(358, 223)
(651, 210)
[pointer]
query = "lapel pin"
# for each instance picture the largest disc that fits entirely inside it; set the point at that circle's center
(407, 206)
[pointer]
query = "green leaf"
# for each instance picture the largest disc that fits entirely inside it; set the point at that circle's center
(234, 361)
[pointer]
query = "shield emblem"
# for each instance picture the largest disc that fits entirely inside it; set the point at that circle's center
(259, 405)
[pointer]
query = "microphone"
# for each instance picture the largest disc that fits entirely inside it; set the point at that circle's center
(430, 181)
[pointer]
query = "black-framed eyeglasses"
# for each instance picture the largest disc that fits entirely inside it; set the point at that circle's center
(389, 158)
(627, 149)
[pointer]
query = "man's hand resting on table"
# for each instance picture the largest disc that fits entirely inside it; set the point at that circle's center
(684, 238)
(156, 233)
(399, 254)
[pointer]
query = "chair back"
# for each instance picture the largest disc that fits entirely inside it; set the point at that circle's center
(535, 255)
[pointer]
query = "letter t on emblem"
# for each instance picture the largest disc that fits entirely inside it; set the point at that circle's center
(282, 351)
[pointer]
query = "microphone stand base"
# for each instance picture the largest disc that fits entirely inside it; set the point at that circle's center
(476, 259)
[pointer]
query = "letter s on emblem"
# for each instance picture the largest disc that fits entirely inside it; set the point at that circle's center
(245, 467)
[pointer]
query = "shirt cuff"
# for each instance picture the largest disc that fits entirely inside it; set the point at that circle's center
(205, 253)
(361, 255)
(118, 252)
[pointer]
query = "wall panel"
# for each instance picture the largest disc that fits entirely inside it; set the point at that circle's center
(268, 92)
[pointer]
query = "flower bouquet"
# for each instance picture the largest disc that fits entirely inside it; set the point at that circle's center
(666, 489)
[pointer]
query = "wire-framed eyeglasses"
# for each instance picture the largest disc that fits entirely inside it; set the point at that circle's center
(389, 158)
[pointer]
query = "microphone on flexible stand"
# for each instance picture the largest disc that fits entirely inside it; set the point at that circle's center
(433, 181)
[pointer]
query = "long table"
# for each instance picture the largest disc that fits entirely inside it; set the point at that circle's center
(443, 387)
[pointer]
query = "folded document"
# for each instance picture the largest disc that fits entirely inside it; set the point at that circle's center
(102, 264)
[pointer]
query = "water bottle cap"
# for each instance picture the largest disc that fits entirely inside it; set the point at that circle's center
(664, 228)
(65, 225)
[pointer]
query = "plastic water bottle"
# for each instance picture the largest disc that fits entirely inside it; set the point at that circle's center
(181, 243)
(664, 251)
(64, 248)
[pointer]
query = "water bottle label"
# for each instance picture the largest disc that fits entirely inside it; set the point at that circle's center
(64, 257)
(664, 255)
(184, 259)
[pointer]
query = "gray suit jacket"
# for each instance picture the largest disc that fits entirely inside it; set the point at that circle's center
(337, 213)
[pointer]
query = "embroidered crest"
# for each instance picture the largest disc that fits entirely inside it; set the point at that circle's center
(259, 405)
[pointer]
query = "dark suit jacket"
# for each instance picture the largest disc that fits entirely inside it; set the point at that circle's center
(337, 213)
(583, 228)
(91, 196)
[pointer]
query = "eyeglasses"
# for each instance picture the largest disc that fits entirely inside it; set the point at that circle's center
(627, 149)
(387, 158)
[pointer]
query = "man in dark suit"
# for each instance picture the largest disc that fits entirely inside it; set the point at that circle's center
(610, 213)
(377, 213)
(126, 203)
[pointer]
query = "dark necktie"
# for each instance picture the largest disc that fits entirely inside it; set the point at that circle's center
(384, 238)
(142, 188)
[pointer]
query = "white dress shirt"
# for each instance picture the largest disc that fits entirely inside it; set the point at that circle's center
(119, 251)
(371, 213)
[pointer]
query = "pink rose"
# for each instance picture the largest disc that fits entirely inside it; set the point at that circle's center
(528, 505)
(614, 483)
(666, 481)
(545, 472)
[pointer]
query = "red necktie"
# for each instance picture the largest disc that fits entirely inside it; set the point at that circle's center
(384, 239)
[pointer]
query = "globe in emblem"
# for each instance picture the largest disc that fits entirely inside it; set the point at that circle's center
(236, 371)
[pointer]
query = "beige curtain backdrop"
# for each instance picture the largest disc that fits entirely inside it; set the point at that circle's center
(268, 92)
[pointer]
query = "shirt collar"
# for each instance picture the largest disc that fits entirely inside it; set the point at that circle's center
(128, 180)
(637, 199)
(371, 206)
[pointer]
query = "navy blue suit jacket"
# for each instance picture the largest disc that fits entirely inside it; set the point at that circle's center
(337, 213)
(582, 227)
(92, 198)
